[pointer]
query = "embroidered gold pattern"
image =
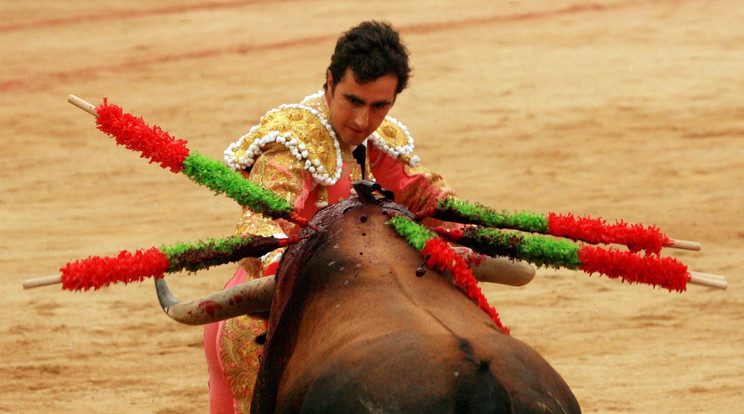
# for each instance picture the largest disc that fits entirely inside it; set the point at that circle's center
(305, 131)
(240, 357)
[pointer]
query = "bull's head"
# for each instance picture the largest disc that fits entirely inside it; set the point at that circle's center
(253, 297)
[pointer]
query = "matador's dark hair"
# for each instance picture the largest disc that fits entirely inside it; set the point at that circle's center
(372, 49)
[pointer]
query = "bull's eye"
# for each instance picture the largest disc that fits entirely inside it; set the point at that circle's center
(363, 219)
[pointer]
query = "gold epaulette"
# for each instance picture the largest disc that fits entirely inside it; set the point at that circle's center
(393, 138)
(306, 133)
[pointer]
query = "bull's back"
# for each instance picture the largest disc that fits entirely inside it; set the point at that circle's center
(370, 335)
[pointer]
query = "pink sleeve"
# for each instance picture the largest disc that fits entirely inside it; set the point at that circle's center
(417, 188)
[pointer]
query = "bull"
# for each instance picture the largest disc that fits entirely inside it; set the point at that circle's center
(355, 325)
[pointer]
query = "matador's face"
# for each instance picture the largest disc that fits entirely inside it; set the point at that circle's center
(357, 110)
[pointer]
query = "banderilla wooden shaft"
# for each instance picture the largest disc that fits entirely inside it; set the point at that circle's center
(707, 279)
(42, 281)
(85, 106)
(685, 245)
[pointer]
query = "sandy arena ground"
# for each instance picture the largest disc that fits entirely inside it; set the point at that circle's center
(618, 109)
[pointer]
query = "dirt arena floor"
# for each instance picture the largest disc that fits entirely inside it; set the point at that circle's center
(617, 109)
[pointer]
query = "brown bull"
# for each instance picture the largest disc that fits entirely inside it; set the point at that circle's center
(353, 329)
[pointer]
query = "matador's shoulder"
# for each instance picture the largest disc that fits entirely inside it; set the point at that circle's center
(303, 129)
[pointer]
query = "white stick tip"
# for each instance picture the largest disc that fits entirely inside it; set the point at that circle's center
(707, 279)
(85, 106)
(685, 245)
(42, 281)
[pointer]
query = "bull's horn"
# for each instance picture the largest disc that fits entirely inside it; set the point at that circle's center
(252, 297)
(504, 271)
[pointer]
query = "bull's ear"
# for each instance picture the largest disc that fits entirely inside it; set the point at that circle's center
(250, 298)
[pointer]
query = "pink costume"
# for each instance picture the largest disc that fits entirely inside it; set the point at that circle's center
(294, 152)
